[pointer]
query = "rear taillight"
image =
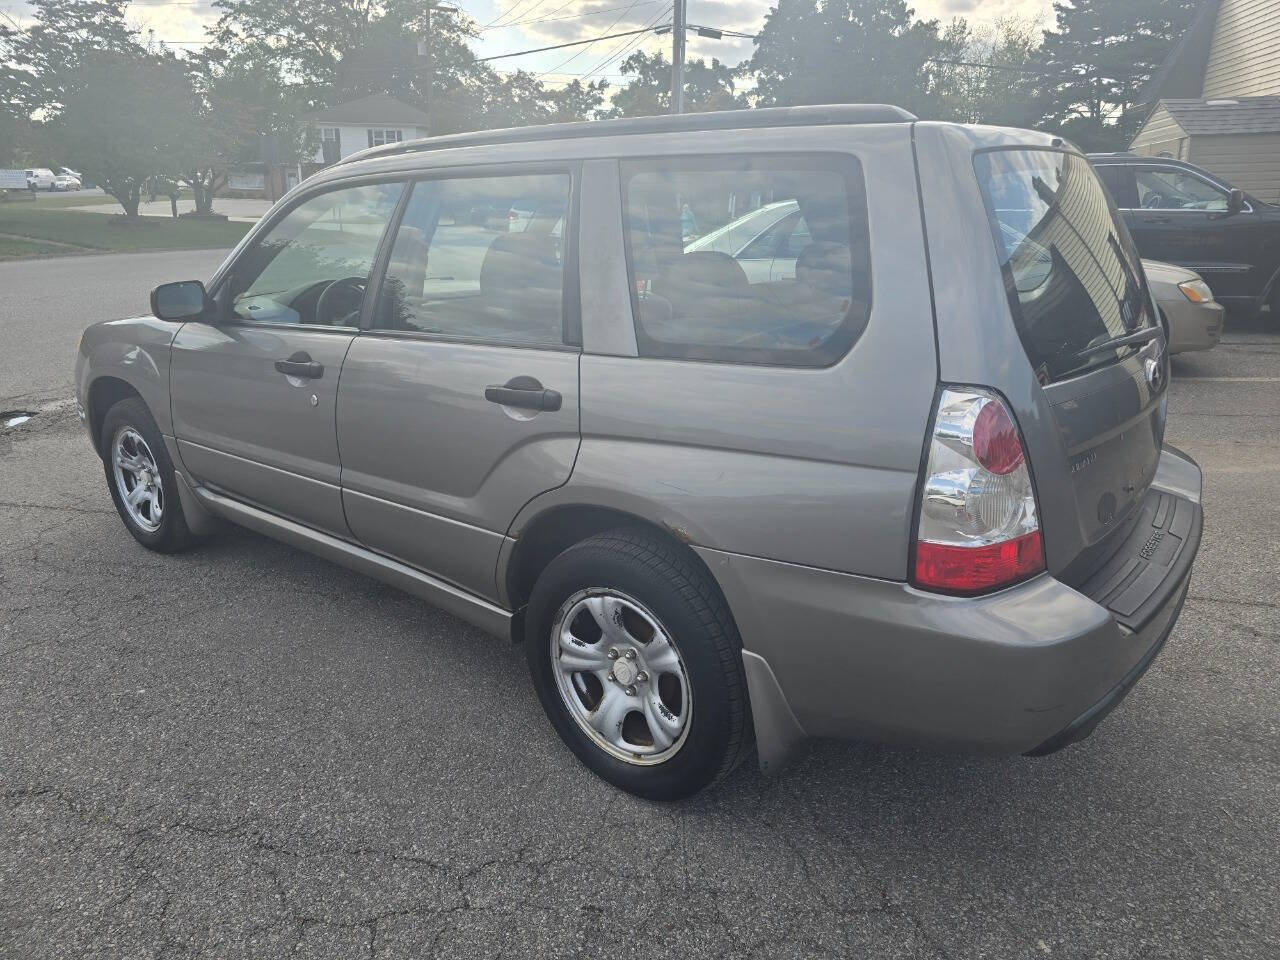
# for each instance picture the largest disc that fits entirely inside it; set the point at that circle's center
(978, 528)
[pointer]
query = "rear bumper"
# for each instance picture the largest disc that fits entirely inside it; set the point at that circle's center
(1025, 670)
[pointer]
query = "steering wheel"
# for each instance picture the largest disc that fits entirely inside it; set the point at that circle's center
(1153, 201)
(339, 303)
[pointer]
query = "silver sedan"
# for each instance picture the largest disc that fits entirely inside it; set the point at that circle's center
(1193, 318)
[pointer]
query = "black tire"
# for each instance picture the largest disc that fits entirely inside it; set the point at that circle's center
(172, 535)
(662, 577)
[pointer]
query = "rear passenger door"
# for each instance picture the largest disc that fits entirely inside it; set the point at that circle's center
(768, 418)
(459, 403)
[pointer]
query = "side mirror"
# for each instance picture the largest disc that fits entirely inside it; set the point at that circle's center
(1235, 202)
(183, 300)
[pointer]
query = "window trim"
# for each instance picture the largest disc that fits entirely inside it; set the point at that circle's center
(570, 308)
(845, 164)
(336, 140)
(1156, 165)
(382, 132)
(218, 291)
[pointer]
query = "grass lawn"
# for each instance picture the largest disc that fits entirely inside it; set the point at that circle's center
(11, 249)
(45, 219)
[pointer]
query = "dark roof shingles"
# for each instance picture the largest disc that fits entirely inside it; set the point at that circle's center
(377, 108)
(1226, 116)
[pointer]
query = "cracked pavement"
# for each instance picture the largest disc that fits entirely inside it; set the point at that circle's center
(246, 751)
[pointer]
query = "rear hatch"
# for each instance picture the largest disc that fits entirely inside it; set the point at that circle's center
(1085, 319)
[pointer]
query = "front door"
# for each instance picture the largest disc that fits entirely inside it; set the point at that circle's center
(460, 403)
(254, 394)
(1182, 218)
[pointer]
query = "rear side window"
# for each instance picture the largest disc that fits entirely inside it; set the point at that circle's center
(480, 258)
(748, 259)
(1070, 268)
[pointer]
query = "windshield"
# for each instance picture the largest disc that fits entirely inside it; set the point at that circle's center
(1070, 267)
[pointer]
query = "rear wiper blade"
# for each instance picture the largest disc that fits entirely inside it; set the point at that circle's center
(1138, 336)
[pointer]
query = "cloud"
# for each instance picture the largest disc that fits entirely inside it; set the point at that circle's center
(512, 25)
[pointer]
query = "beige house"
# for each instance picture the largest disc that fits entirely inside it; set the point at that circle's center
(1215, 101)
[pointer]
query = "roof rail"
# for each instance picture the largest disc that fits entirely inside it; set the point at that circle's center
(835, 114)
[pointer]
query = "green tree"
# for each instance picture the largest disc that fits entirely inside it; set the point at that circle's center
(46, 59)
(847, 51)
(992, 77)
(344, 49)
(127, 121)
(577, 100)
(236, 104)
(13, 119)
(707, 86)
(1096, 60)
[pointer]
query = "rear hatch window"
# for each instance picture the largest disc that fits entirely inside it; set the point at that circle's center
(1070, 268)
(1079, 300)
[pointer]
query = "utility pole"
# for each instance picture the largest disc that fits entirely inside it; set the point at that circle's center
(677, 57)
(424, 51)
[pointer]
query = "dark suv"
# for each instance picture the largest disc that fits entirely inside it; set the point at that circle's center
(1182, 214)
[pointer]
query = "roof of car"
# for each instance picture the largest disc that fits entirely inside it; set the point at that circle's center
(850, 113)
(1126, 157)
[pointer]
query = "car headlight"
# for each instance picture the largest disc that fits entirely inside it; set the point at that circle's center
(1197, 291)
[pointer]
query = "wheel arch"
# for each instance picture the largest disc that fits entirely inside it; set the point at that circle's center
(548, 533)
(104, 393)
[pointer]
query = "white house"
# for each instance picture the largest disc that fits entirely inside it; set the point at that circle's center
(368, 122)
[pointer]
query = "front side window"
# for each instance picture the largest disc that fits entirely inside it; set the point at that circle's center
(480, 258)
(748, 259)
(1070, 268)
(1164, 188)
(312, 266)
(378, 137)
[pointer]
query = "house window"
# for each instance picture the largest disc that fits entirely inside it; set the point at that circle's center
(378, 137)
(330, 144)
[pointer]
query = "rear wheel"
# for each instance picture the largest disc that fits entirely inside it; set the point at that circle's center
(141, 479)
(638, 664)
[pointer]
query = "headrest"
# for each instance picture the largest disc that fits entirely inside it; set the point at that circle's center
(705, 273)
(520, 261)
(827, 267)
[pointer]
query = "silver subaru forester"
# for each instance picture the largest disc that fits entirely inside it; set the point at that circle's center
(752, 427)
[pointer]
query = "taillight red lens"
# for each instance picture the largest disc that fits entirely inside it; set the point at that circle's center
(995, 440)
(945, 567)
(978, 528)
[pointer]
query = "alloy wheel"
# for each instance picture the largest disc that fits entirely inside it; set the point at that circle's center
(137, 479)
(621, 677)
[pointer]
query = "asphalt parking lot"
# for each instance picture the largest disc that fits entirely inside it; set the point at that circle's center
(246, 751)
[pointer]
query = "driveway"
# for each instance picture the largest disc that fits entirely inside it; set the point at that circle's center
(245, 209)
(45, 304)
(246, 751)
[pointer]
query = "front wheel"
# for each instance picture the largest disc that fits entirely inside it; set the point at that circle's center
(141, 479)
(638, 664)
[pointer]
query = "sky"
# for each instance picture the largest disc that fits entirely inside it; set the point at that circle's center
(511, 25)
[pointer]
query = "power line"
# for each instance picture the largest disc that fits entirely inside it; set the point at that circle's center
(512, 11)
(491, 24)
(572, 16)
(625, 47)
(618, 19)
